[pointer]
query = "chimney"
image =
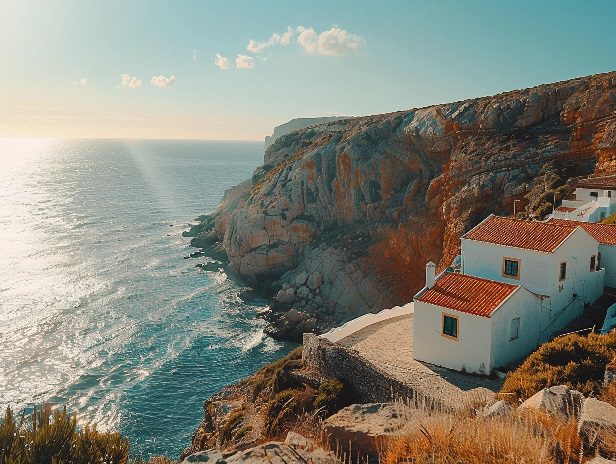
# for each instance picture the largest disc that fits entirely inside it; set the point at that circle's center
(430, 274)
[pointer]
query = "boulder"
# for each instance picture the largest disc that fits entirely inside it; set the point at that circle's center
(209, 456)
(361, 430)
(268, 453)
(301, 279)
(597, 420)
(559, 400)
(294, 316)
(286, 295)
(303, 292)
(315, 281)
(500, 408)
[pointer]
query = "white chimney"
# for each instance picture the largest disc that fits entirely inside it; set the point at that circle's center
(430, 274)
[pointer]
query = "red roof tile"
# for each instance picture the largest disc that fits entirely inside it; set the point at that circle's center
(599, 183)
(468, 294)
(602, 233)
(530, 235)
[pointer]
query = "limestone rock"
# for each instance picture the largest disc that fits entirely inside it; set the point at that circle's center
(362, 429)
(209, 456)
(301, 279)
(286, 296)
(500, 408)
(315, 281)
(597, 419)
(303, 292)
(556, 400)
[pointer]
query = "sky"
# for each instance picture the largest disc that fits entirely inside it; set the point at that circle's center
(232, 70)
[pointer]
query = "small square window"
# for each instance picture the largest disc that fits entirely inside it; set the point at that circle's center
(593, 263)
(511, 268)
(515, 328)
(450, 326)
(563, 271)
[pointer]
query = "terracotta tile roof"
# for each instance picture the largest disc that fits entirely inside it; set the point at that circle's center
(530, 235)
(599, 182)
(564, 209)
(468, 294)
(602, 233)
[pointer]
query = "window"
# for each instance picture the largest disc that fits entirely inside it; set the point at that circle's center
(609, 194)
(515, 328)
(563, 271)
(593, 263)
(511, 267)
(450, 326)
(598, 261)
(594, 194)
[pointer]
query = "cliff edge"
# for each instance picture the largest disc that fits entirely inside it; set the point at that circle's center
(341, 217)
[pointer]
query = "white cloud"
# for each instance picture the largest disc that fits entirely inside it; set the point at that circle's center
(334, 42)
(129, 82)
(82, 82)
(308, 39)
(244, 62)
(194, 54)
(162, 81)
(275, 39)
(221, 61)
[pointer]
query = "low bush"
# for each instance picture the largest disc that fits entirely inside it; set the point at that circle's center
(329, 397)
(573, 360)
(52, 437)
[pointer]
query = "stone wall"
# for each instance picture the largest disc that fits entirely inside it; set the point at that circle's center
(367, 382)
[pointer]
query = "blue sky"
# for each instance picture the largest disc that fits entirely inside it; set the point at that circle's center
(62, 61)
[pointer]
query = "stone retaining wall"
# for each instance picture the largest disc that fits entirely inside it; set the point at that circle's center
(368, 383)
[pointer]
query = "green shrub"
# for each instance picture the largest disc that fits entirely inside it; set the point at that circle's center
(573, 360)
(329, 396)
(232, 423)
(284, 408)
(266, 377)
(51, 437)
(611, 219)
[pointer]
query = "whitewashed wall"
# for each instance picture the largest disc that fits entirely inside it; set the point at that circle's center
(539, 272)
(471, 352)
(608, 263)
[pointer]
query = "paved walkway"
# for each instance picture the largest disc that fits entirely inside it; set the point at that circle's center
(389, 345)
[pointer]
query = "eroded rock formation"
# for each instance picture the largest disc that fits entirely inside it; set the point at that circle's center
(345, 214)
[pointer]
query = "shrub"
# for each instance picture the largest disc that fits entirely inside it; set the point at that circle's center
(232, 423)
(611, 219)
(329, 396)
(266, 377)
(284, 408)
(51, 437)
(573, 360)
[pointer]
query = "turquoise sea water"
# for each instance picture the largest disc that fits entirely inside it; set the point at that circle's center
(99, 310)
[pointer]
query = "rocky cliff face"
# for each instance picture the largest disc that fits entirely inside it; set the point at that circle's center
(297, 124)
(342, 217)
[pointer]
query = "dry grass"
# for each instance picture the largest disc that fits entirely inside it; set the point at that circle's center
(528, 438)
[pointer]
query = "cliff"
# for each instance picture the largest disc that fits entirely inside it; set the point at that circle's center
(342, 217)
(297, 124)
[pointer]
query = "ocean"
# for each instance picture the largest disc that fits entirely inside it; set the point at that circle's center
(99, 309)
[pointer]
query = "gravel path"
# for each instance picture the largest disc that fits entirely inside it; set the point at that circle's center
(389, 345)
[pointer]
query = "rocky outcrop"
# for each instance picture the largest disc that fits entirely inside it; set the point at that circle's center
(558, 400)
(347, 213)
(360, 432)
(295, 450)
(597, 427)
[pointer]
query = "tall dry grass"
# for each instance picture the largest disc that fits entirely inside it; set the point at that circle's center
(524, 438)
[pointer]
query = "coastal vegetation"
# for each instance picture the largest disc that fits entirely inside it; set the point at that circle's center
(574, 360)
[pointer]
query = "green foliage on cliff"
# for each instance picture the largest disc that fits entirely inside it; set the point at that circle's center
(610, 219)
(52, 437)
(573, 360)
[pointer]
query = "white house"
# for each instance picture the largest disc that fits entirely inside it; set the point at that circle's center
(519, 283)
(605, 234)
(468, 323)
(594, 200)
